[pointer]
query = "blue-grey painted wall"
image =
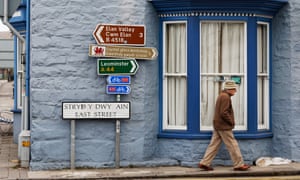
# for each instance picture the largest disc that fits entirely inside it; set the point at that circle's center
(61, 70)
(286, 82)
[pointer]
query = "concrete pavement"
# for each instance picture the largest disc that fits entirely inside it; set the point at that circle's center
(168, 172)
(9, 164)
(10, 167)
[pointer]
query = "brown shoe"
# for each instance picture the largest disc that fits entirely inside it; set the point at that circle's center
(206, 168)
(244, 167)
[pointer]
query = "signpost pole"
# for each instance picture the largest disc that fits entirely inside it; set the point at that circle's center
(72, 144)
(117, 145)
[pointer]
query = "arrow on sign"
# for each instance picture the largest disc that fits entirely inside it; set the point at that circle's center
(123, 51)
(117, 66)
(120, 34)
(97, 34)
(134, 67)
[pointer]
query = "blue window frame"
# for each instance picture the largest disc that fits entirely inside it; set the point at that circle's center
(255, 20)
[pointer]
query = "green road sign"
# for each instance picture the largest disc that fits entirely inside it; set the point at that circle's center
(117, 66)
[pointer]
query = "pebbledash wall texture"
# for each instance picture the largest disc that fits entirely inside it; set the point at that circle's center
(286, 82)
(61, 70)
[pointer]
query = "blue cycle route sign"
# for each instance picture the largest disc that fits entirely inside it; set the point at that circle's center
(118, 80)
(118, 89)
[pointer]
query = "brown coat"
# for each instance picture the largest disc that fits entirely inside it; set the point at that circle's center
(224, 116)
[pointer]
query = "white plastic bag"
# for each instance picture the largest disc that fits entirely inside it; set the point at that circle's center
(268, 161)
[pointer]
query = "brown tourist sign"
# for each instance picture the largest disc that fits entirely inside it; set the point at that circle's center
(119, 34)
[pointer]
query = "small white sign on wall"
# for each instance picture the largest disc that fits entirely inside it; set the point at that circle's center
(95, 110)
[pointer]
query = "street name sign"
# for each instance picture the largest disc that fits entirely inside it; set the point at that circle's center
(120, 34)
(118, 79)
(96, 110)
(149, 53)
(118, 89)
(117, 66)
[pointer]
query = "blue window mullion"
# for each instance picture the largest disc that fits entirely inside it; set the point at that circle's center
(193, 77)
(252, 75)
(160, 71)
(270, 75)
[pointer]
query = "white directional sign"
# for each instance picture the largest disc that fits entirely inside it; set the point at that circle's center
(95, 110)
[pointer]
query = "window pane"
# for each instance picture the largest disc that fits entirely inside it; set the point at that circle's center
(263, 76)
(175, 76)
(222, 57)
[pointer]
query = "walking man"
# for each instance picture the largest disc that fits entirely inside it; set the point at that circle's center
(223, 124)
